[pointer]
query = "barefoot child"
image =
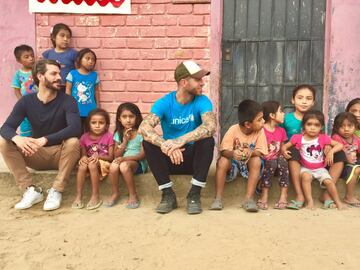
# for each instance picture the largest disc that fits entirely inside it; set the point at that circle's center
(274, 161)
(22, 82)
(83, 83)
(241, 148)
(129, 154)
(96, 155)
(311, 146)
(354, 108)
(60, 36)
(343, 132)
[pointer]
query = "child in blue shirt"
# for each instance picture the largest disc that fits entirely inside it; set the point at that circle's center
(22, 82)
(83, 83)
(60, 37)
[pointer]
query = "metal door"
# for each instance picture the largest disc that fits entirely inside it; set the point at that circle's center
(268, 48)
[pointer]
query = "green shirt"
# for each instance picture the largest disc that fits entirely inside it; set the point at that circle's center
(291, 124)
(357, 133)
(133, 148)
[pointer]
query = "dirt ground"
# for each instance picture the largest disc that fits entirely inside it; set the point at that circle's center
(117, 238)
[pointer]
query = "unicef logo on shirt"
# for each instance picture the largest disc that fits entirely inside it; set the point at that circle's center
(183, 120)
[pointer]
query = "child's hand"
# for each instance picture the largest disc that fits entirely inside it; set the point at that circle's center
(94, 158)
(118, 160)
(127, 135)
(286, 153)
(327, 148)
(237, 154)
(83, 161)
(329, 158)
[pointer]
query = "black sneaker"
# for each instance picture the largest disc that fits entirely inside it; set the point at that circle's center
(167, 204)
(193, 206)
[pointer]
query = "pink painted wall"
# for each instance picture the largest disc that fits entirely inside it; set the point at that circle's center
(137, 53)
(17, 26)
(342, 54)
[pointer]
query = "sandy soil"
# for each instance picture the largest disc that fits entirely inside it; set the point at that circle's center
(117, 238)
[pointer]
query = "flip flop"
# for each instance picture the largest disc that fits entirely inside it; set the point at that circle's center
(280, 205)
(353, 204)
(295, 205)
(262, 205)
(328, 204)
(250, 206)
(133, 205)
(109, 204)
(77, 205)
(91, 206)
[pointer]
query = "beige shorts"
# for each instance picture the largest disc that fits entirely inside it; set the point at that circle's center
(318, 174)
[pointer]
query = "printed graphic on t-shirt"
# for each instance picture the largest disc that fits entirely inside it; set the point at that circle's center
(350, 151)
(101, 149)
(312, 153)
(243, 145)
(273, 149)
(83, 92)
(183, 120)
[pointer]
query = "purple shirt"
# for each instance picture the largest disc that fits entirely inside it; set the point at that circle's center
(274, 140)
(100, 145)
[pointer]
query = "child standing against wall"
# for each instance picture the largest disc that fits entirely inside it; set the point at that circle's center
(83, 83)
(22, 82)
(60, 38)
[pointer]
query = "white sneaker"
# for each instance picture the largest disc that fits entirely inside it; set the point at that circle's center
(30, 197)
(53, 200)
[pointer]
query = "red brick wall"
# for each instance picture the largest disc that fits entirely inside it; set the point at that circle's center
(137, 53)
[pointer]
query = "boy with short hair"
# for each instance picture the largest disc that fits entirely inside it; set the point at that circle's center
(241, 148)
(22, 82)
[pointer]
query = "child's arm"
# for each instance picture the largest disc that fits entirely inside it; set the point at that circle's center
(256, 153)
(137, 157)
(110, 156)
(68, 88)
(17, 93)
(97, 95)
(336, 147)
(285, 150)
(84, 159)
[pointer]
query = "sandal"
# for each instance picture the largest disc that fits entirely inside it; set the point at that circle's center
(262, 205)
(133, 205)
(280, 205)
(328, 204)
(216, 205)
(295, 205)
(77, 205)
(92, 206)
(353, 204)
(250, 206)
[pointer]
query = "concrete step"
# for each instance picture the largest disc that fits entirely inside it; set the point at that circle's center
(148, 189)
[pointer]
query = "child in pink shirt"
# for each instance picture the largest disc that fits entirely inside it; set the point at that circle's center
(311, 146)
(274, 161)
(344, 132)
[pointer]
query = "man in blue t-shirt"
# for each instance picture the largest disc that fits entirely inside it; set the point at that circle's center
(187, 145)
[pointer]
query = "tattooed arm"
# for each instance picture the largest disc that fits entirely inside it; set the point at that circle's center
(205, 130)
(147, 129)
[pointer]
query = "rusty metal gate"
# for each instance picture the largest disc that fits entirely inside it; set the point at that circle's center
(269, 47)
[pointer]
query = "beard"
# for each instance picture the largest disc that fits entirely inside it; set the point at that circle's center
(51, 85)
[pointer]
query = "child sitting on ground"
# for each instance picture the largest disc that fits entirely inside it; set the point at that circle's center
(22, 82)
(311, 147)
(241, 148)
(274, 161)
